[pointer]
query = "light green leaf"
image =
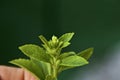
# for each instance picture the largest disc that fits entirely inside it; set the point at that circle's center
(66, 54)
(65, 44)
(36, 52)
(44, 40)
(86, 53)
(66, 37)
(73, 61)
(30, 66)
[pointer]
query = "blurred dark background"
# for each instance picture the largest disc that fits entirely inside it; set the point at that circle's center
(95, 23)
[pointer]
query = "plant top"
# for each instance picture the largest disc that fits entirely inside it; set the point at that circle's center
(47, 61)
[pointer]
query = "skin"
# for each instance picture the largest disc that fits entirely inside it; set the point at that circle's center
(13, 73)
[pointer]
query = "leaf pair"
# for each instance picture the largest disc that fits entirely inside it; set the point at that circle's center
(71, 59)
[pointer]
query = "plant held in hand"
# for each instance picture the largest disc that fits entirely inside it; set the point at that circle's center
(46, 62)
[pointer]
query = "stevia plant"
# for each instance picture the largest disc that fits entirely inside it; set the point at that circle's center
(46, 62)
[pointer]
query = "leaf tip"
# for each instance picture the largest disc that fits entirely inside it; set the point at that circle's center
(86, 53)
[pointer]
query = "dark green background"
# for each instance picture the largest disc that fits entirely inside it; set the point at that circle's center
(96, 23)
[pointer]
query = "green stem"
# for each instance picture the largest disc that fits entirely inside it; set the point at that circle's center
(54, 69)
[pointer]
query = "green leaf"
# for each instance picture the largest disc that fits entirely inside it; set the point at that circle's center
(36, 52)
(30, 66)
(65, 44)
(66, 37)
(73, 61)
(44, 40)
(66, 54)
(86, 53)
(72, 64)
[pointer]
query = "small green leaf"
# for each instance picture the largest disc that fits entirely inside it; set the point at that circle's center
(66, 37)
(30, 66)
(66, 54)
(73, 61)
(44, 40)
(65, 44)
(36, 52)
(55, 40)
(86, 53)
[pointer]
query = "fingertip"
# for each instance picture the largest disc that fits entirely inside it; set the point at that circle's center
(28, 76)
